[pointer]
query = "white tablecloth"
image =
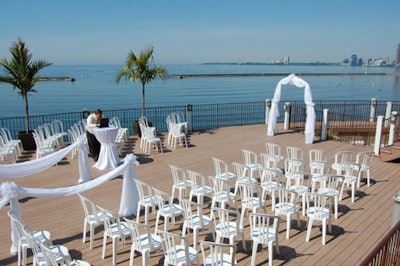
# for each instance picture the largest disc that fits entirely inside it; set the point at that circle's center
(108, 157)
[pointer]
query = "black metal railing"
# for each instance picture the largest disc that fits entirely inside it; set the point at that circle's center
(387, 252)
(205, 116)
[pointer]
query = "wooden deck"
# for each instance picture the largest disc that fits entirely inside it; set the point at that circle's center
(358, 229)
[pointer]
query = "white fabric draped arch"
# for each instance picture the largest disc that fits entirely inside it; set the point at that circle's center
(129, 196)
(292, 79)
(32, 167)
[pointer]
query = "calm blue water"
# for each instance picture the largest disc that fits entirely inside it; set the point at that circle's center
(95, 87)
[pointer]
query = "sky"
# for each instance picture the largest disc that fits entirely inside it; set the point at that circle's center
(190, 32)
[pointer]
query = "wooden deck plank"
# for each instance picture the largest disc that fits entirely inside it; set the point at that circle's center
(356, 231)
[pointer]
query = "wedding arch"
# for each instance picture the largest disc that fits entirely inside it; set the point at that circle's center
(292, 79)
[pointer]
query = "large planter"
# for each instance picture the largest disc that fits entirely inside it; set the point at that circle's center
(136, 127)
(28, 142)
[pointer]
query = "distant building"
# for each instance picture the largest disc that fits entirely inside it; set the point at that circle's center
(353, 60)
(398, 55)
(286, 60)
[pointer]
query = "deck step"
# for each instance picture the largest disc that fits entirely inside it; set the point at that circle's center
(390, 153)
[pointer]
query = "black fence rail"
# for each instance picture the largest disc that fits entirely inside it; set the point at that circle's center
(205, 116)
(348, 121)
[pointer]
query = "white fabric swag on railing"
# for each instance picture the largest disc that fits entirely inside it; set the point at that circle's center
(35, 166)
(292, 79)
(129, 195)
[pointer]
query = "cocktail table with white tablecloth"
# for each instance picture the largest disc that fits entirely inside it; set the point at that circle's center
(108, 157)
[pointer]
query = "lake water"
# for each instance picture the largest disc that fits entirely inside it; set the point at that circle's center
(95, 87)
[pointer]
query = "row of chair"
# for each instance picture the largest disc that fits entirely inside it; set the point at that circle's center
(48, 137)
(44, 252)
(145, 241)
(9, 147)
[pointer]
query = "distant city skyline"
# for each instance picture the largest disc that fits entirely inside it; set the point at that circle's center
(103, 32)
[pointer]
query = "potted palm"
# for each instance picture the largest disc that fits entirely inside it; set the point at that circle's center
(141, 70)
(22, 73)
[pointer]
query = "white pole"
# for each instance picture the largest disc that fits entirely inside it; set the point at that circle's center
(378, 134)
(324, 130)
(388, 113)
(372, 111)
(287, 115)
(392, 129)
(267, 109)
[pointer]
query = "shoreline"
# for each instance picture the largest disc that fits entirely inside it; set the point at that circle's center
(280, 74)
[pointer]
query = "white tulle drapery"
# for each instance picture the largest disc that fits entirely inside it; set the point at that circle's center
(274, 112)
(35, 166)
(129, 196)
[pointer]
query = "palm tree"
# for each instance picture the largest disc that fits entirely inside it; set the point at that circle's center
(142, 70)
(22, 72)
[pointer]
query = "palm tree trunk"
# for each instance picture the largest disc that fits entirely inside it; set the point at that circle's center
(26, 114)
(143, 101)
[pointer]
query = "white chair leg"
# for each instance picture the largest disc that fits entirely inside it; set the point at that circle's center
(287, 226)
(270, 253)
(323, 231)
(309, 227)
(254, 253)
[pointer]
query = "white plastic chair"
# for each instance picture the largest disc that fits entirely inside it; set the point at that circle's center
(147, 199)
(9, 141)
(295, 153)
(252, 199)
(319, 207)
(41, 236)
(271, 179)
(177, 250)
(7, 150)
(222, 192)
(268, 161)
(181, 183)
(333, 187)
(250, 159)
(228, 225)
(143, 241)
(215, 254)
(264, 231)
(38, 257)
(166, 208)
(318, 172)
(296, 183)
(341, 157)
(275, 150)
(193, 218)
(58, 130)
(114, 229)
(42, 147)
(292, 168)
(93, 217)
(351, 173)
(55, 257)
(243, 175)
(287, 205)
(364, 160)
(198, 186)
(221, 169)
(175, 133)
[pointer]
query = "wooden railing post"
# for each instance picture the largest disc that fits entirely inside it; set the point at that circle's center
(378, 134)
(324, 130)
(287, 108)
(392, 128)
